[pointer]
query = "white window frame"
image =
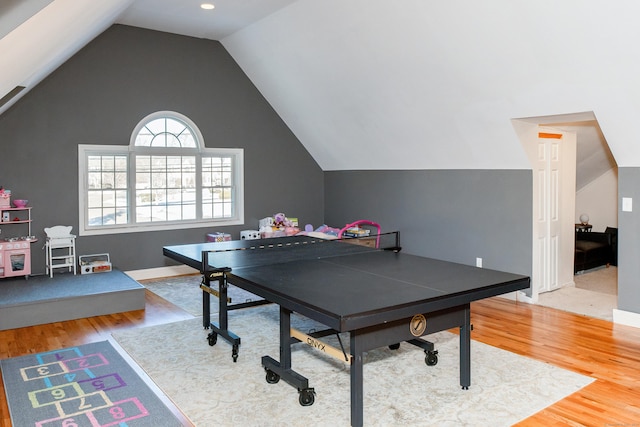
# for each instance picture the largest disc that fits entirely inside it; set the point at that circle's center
(85, 150)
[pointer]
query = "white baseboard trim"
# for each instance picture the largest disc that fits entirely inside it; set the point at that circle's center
(522, 297)
(626, 318)
(155, 273)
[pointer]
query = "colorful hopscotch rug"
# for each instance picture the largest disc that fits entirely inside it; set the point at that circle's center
(88, 385)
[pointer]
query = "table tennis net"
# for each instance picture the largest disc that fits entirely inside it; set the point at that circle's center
(251, 253)
(385, 241)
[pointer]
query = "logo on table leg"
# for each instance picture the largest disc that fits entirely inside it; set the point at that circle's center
(418, 325)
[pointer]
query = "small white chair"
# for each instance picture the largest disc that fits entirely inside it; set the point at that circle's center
(61, 248)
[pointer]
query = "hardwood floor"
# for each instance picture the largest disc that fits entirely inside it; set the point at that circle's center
(597, 348)
(607, 352)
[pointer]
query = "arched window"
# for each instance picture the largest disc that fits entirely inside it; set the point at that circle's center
(165, 129)
(165, 178)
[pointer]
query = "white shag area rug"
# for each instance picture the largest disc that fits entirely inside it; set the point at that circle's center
(399, 388)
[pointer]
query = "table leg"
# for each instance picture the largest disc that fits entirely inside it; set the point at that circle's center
(357, 374)
(206, 304)
(223, 315)
(285, 338)
(222, 327)
(282, 369)
(465, 349)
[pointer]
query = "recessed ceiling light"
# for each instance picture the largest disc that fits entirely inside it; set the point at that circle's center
(207, 6)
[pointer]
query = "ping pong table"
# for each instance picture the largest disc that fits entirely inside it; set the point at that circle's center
(378, 296)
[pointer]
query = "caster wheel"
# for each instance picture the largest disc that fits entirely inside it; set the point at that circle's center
(307, 397)
(272, 377)
(394, 346)
(212, 338)
(431, 359)
(234, 353)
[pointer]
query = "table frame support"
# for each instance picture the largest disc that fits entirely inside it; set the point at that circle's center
(219, 275)
(363, 340)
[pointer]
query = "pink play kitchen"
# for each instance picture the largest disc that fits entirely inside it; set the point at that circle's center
(15, 236)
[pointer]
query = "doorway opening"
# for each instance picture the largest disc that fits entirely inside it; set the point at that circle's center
(593, 290)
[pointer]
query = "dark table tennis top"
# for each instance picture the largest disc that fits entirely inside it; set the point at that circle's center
(346, 286)
(377, 296)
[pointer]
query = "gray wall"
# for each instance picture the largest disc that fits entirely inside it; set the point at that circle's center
(98, 97)
(454, 215)
(628, 243)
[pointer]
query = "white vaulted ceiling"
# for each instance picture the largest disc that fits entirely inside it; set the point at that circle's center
(372, 84)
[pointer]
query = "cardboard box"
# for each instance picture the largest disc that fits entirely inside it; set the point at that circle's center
(96, 263)
(218, 237)
(270, 234)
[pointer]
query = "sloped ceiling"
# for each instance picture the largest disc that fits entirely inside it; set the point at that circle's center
(593, 157)
(15, 12)
(367, 84)
(187, 18)
(46, 39)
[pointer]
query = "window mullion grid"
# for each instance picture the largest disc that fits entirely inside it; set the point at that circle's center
(133, 189)
(171, 187)
(156, 188)
(199, 213)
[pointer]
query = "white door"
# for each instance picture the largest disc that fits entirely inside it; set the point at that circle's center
(554, 201)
